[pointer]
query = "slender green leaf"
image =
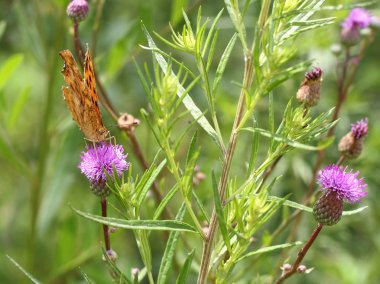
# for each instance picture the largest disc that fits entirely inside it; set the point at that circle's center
(310, 210)
(201, 207)
(165, 201)
(184, 273)
(223, 62)
(220, 214)
(176, 12)
(3, 25)
(147, 180)
(27, 274)
(9, 67)
(353, 212)
(151, 225)
(268, 249)
(18, 106)
(167, 258)
(254, 149)
(282, 139)
(271, 120)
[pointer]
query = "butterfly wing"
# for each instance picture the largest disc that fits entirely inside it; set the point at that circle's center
(81, 98)
(93, 115)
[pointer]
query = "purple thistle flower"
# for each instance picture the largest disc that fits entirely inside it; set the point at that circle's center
(77, 9)
(104, 156)
(360, 128)
(358, 17)
(344, 184)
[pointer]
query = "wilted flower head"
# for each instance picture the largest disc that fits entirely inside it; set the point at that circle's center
(337, 186)
(309, 91)
(360, 128)
(345, 184)
(103, 157)
(358, 19)
(77, 9)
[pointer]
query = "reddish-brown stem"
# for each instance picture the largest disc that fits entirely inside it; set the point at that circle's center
(106, 233)
(78, 46)
(301, 255)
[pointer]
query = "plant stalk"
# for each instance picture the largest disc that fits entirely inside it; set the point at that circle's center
(301, 255)
(208, 242)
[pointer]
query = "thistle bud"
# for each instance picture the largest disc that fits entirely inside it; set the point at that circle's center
(77, 10)
(111, 254)
(301, 269)
(286, 267)
(351, 145)
(135, 273)
(310, 90)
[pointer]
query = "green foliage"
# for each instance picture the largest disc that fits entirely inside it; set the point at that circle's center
(221, 161)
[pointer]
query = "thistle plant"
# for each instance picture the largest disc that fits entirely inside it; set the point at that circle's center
(204, 190)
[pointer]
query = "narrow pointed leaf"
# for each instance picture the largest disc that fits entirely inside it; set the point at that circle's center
(151, 225)
(220, 214)
(27, 274)
(151, 177)
(223, 62)
(165, 202)
(184, 274)
(282, 139)
(167, 258)
(268, 249)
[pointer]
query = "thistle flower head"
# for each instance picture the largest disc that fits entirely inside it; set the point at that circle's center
(77, 10)
(357, 20)
(358, 17)
(344, 184)
(360, 128)
(101, 158)
(337, 186)
(310, 90)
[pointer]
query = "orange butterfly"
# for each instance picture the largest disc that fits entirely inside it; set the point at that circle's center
(81, 97)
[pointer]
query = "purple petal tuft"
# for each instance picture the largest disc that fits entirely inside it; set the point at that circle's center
(345, 184)
(358, 17)
(103, 156)
(360, 128)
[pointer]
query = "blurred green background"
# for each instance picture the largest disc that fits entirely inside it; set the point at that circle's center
(40, 145)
